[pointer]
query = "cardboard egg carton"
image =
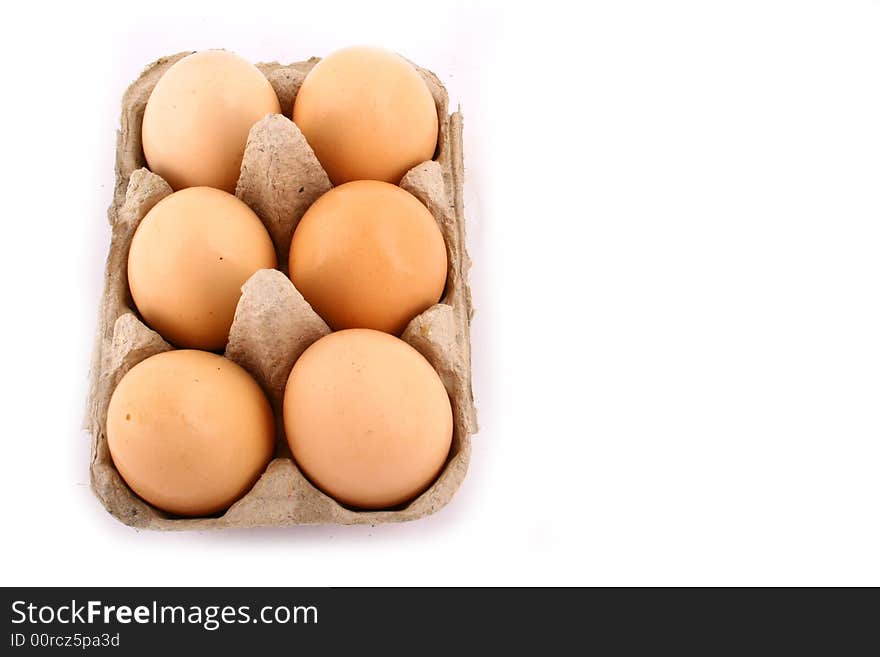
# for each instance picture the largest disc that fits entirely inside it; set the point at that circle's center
(280, 178)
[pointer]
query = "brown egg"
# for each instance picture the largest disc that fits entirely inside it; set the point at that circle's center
(367, 418)
(188, 260)
(189, 431)
(368, 115)
(197, 119)
(368, 254)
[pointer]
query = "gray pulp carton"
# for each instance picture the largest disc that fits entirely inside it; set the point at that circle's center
(280, 178)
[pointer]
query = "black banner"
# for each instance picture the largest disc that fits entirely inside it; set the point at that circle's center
(173, 621)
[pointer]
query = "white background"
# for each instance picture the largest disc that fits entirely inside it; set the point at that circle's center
(674, 217)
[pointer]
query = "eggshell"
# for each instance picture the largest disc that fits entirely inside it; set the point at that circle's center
(189, 431)
(188, 260)
(367, 418)
(368, 254)
(368, 115)
(197, 119)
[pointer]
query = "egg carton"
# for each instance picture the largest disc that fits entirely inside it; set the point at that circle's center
(280, 178)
